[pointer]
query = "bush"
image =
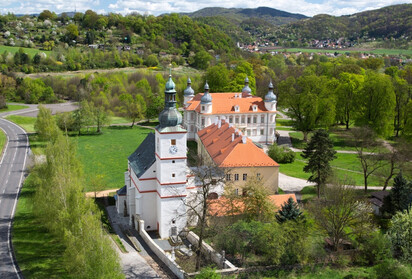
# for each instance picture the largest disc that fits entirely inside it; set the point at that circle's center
(281, 154)
(208, 273)
(392, 269)
(373, 249)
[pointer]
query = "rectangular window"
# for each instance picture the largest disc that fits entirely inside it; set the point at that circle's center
(262, 132)
(173, 175)
(173, 142)
(248, 120)
(236, 176)
(254, 132)
(243, 119)
(244, 176)
(237, 192)
(230, 119)
(228, 177)
(258, 176)
(236, 120)
(254, 119)
(248, 133)
(203, 121)
(262, 119)
(203, 108)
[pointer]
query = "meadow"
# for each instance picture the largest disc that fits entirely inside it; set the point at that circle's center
(29, 51)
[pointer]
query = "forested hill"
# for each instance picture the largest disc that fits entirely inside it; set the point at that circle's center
(392, 21)
(270, 15)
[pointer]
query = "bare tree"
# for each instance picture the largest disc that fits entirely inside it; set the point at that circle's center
(368, 149)
(341, 214)
(207, 178)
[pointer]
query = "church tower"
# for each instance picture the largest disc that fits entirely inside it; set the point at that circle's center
(270, 99)
(171, 166)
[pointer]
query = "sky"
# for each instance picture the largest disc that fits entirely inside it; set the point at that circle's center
(157, 7)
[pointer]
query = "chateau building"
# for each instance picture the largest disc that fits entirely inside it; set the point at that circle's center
(158, 183)
(255, 117)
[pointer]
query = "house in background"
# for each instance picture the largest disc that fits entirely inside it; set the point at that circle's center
(255, 117)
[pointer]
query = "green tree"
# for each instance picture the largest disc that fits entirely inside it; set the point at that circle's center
(376, 104)
(7, 89)
(45, 125)
(348, 90)
(281, 154)
(319, 153)
(72, 32)
(218, 78)
(46, 14)
(400, 196)
(201, 60)
(289, 211)
(400, 235)
(151, 61)
(131, 107)
(310, 102)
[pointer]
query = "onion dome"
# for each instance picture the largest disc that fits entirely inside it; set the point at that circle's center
(206, 98)
(246, 91)
(189, 91)
(170, 117)
(170, 85)
(270, 96)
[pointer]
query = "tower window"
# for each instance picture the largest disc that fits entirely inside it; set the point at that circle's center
(173, 161)
(173, 142)
(203, 108)
(173, 175)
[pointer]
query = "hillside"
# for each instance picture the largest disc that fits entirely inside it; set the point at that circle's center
(392, 21)
(272, 16)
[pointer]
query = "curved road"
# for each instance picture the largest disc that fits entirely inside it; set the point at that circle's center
(12, 174)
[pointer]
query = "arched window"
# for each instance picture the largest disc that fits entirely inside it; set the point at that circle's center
(212, 196)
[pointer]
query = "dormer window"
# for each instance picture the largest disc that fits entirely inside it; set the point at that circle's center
(236, 108)
(254, 107)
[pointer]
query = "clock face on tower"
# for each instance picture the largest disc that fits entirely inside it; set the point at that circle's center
(173, 149)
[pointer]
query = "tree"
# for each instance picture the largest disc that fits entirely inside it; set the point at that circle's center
(376, 104)
(281, 154)
(290, 211)
(347, 93)
(319, 153)
(218, 78)
(340, 214)
(400, 196)
(201, 60)
(368, 151)
(83, 117)
(256, 200)
(207, 177)
(151, 61)
(45, 126)
(402, 94)
(46, 14)
(7, 89)
(310, 102)
(400, 234)
(72, 32)
(131, 107)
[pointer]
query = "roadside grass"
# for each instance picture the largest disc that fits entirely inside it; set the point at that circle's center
(26, 122)
(29, 51)
(280, 122)
(106, 154)
(13, 108)
(346, 167)
(3, 139)
(38, 253)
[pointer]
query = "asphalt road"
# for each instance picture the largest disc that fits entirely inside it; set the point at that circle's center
(12, 174)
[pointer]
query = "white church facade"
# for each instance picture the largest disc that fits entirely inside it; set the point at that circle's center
(255, 117)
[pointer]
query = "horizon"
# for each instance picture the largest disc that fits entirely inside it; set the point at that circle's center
(157, 7)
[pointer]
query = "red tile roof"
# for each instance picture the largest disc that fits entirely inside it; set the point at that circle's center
(223, 206)
(225, 103)
(227, 153)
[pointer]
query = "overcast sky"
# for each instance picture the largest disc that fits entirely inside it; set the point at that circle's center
(156, 7)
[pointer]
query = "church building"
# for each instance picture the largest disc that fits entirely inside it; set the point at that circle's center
(157, 174)
(255, 117)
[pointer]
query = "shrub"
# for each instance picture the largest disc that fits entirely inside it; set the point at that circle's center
(392, 269)
(208, 273)
(281, 154)
(373, 249)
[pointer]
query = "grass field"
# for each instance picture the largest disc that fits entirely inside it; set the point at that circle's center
(348, 162)
(373, 51)
(107, 153)
(13, 108)
(29, 51)
(38, 253)
(3, 139)
(26, 122)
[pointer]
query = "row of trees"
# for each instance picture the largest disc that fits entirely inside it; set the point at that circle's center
(64, 210)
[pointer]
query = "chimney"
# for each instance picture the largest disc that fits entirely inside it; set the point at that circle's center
(243, 139)
(233, 136)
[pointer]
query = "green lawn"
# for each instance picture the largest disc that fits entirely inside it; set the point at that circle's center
(29, 51)
(38, 253)
(107, 153)
(3, 139)
(348, 162)
(283, 122)
(26, 122)
(118, 120)
(13, 108)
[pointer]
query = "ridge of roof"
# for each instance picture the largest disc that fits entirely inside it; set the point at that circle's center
(144, 156)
